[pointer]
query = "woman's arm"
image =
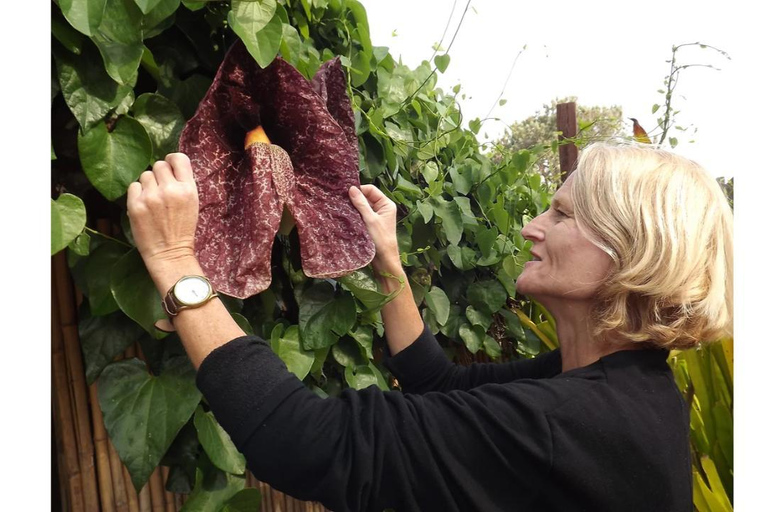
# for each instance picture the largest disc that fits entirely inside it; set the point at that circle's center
(424, 366)
(163, 208)
(402, 322)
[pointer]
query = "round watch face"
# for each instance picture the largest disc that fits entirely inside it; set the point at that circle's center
(191, 291)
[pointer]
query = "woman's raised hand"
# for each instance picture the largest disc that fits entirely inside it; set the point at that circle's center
(380, 216)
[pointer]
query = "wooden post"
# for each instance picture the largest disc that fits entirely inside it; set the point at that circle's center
(567, 126)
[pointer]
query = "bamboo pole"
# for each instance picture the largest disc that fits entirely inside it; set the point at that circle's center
(170, 505)
(156, 491)
(118, 484)
(133, 496)
(74, 358)
(100, 440)
(266, 496)
(145, 499)
(70, 473)
(58, 443)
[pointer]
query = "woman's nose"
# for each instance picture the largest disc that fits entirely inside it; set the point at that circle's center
(534, 231)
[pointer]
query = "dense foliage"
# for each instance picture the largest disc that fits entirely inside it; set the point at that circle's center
(128, 74)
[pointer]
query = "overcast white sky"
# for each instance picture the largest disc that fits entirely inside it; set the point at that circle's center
(602, 53)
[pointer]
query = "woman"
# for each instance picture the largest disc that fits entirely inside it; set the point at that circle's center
(632, 259)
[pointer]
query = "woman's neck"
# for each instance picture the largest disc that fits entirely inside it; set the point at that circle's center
(578, 346)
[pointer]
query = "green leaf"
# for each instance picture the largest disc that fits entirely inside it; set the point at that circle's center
(450, 215)
(672, 142)
(81, 245)
(143, 413)
(430, 172)
(162, 120)
(87, 88)
(485, 238)
(438, 302)
(252, 16)
(442, 61)
(213, 488)
(290, 45)
(65, 34)
(247, 500)
(67, 220)
(98, 271)
(298, 360)
(104, 337)
(324, 317)
(488, 296)
(120, 40)
(475, 125)
(360, 377)
(147, 5)
(243, 323)
(113, 160)
(135, 292)
(217, 443)
(261, 35)
(491, 347)
(365, 289)
(194, 6)
(477, 317)
(84, 15)
(472, 336)
(363, 334)
(513, 325)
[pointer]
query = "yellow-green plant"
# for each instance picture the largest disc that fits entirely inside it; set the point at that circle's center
(705, 377)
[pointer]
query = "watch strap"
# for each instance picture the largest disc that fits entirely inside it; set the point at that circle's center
(172, 306)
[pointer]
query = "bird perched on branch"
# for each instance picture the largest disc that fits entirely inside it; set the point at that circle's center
(639, 134)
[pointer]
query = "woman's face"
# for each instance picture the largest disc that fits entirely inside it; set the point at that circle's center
(566, 265)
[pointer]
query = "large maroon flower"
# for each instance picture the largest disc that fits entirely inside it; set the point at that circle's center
(309, 168)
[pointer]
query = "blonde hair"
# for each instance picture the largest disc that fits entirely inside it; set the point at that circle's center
(668, 227)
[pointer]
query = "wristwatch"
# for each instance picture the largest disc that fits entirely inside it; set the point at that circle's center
(188, 292)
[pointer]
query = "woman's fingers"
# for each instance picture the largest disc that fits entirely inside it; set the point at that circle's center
(148, 181)
(361, 203)
(182, 167)
(163, 173)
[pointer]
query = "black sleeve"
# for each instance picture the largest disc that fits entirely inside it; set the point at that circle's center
(369, 450)
(423, 367)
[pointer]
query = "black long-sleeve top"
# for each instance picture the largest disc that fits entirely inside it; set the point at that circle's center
(609, 436)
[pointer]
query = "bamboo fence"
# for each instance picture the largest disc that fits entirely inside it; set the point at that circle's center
(91, 477)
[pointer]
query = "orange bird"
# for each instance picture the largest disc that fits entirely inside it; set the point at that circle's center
(638, 132)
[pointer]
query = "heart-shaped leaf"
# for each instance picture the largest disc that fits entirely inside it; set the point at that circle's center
(442, 61)
(450, 215)
(473, 336)
(247, 500)
(438, 302)
(162, 120)
(488, 296)
(288, 347)
(217, 443)
(147, 5)
(103, 338)
(98, 271)
(324, 317)
(263, 43)
(253, 16)
(84, 15)
(113, 160)
(119, 38)
(143, 413)
(213, 488)
(67, 220)
(87, 88)
(135, 292)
